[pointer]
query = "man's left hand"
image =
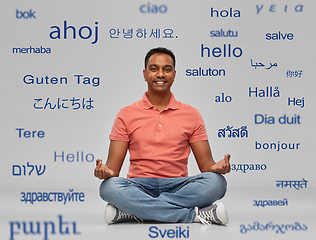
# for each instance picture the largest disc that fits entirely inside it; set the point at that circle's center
(222, 166)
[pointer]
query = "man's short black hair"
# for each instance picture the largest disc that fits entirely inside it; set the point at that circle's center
(160, 50)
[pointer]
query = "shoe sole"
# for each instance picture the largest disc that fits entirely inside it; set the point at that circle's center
(221, 213)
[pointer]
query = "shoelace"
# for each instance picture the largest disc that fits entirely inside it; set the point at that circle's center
(206, 217)
(124, 215)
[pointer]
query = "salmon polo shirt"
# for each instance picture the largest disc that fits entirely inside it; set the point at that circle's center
(158, 141)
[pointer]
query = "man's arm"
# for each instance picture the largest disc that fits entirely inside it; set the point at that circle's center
(116, 156)
(203, 156)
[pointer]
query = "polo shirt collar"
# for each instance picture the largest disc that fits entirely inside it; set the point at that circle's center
(173, 103)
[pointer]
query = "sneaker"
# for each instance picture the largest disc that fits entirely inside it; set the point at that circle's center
(215, 213)
(115, 215)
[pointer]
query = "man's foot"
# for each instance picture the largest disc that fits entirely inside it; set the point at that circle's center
(215, 213)
(115, 215)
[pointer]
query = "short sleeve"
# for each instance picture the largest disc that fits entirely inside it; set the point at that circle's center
(119, 131)
(199, 132)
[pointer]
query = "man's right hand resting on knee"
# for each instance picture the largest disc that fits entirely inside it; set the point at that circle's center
(101, 171)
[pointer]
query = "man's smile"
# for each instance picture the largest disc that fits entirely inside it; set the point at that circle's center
(160, 82)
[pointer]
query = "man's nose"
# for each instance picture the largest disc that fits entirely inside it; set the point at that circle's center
(160, 73)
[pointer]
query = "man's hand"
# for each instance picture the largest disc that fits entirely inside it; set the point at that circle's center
(203, 155)
(101, 171)
(222, 166)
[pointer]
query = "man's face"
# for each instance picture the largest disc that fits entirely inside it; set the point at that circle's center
(159, 73)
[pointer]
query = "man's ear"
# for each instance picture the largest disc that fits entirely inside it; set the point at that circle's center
(144, 74)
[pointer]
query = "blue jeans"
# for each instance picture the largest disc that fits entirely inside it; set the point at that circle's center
(164, 199)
